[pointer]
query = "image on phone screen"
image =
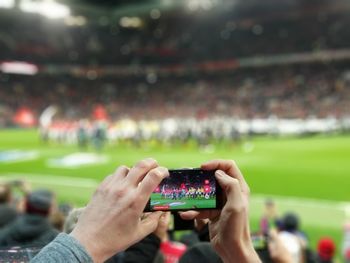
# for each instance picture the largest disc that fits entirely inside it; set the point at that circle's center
(186, 189)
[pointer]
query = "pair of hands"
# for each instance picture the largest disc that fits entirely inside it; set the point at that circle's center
(112, 220)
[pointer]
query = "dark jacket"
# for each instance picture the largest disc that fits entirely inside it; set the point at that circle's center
(7, 214)
(144, 251)
(28, 230)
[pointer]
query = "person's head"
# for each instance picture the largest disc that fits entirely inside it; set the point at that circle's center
(326, 248)
(5, 193)
(39, 202)
(201, 252)
(290, 222)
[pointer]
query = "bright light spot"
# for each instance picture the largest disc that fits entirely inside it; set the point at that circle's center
(155, 14)
(46, 8)
(196, 5)
(75, 21)
(17, 67)
(130, 22)
(7, 3)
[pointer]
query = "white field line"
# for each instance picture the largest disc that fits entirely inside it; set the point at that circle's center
(303, 202)
(49, 179)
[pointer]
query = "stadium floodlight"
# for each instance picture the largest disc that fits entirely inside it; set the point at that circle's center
(130, 22)
(75, 21)
(195, 5)
(7, 3)
(48, 8)
(17, 67)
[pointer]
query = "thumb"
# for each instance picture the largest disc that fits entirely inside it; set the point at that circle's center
(150, 223)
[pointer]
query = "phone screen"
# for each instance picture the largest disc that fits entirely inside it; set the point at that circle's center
(186, 189)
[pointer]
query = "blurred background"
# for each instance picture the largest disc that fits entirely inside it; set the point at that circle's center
(88, 85)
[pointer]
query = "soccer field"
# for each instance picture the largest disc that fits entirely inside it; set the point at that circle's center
(306, 175)
(182, 203)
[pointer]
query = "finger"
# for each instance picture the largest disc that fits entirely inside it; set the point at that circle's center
(149, 224)
(150, 182)
(189, 215)
(203, 214)
(120, 173)
(231, 187)
(230, 168)
(138, 172)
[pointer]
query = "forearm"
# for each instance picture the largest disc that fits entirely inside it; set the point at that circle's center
(243, 253)
(64, 248)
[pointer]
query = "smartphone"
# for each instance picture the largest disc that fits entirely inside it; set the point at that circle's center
(187, 189)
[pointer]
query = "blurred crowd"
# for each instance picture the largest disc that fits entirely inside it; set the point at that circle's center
(178, 37)
(30, 219)
(284, 92)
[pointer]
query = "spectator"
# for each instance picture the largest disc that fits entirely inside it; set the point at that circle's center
(346, 243)
(7, 211)
(325, 250)
(201, 252)
(33, 227)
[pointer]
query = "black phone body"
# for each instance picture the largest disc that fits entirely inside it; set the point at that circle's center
(187, 189)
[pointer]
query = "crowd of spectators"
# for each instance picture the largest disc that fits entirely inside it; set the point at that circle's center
(172, 38)
(285, 92)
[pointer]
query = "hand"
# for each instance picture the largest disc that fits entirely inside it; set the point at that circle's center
(229, 228)
(111, 222)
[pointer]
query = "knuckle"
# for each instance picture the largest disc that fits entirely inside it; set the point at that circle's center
(121, 169)
(103, 190)
(146, 163)
(134, 202)
(142, 164)
(158, 173)
(120, 193)
(236, 209)
(233, 163)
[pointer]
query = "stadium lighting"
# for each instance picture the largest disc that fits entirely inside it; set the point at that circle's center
(7, 3)
(75, 21)
(194, 5)
(130, 22)
(17, 67)
(46, 8)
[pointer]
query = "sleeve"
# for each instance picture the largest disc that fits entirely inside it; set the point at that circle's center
(64, 248)
(144, 251)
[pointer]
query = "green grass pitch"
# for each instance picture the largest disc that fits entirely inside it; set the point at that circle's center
(307, 175)
(183, 203)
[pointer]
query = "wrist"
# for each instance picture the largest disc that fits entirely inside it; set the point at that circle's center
(90, 245)
(242, 252)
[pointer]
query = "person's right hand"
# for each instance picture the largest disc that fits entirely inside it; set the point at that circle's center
(229, 227)
(111, 222)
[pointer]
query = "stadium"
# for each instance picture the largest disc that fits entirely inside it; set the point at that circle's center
(87, 86)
